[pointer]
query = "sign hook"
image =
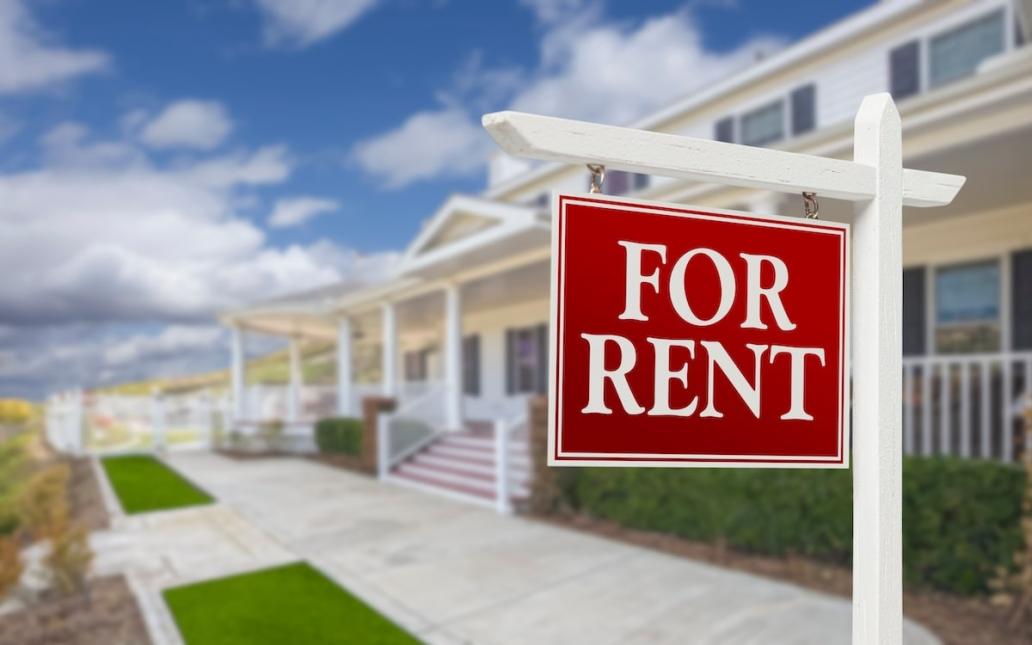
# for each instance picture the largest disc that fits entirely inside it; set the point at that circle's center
(598, 175)
(810, 206)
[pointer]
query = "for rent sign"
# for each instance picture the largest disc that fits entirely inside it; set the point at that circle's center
(686, 336)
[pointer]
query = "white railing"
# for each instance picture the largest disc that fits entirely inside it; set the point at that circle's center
(414, 424)
(966, 405)
(511, 460)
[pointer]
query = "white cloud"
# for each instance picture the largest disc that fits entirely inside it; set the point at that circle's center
(127, 240)
(298, 210)
(30, 60)
(300, 23)
(431, 144)
(589, 68)
(173, 340)
(188, 123)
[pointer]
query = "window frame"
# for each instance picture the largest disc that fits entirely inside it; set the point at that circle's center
(1003, 320)
(1007, 42)
(785, 125)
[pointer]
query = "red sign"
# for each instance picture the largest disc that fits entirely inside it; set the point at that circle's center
(694, 337)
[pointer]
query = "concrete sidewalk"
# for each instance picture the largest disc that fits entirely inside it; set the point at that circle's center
(453, 573)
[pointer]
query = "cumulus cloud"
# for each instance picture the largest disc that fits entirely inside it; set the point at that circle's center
(588, 68)
(31, 60)
(129, 240)
(428, 145)
(300, 23)
(172, 341)
(188, 123)
(298, 210)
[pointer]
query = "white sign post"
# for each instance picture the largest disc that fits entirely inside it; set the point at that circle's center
(879, 187)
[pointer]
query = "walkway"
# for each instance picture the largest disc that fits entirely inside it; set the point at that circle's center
(455, 573)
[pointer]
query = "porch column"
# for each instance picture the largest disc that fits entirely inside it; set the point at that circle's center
(390, 349)
(236, 372)
(344, 368)
(294, 389)
(453, 356)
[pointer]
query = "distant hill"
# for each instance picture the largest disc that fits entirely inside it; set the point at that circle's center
(318, 366)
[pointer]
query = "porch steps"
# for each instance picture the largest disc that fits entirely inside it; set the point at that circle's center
(464, 463)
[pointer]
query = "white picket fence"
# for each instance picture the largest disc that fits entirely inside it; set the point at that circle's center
(968, 405)
(79, 423)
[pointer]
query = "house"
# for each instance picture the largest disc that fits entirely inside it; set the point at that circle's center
(460, 330)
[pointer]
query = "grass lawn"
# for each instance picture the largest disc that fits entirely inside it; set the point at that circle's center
(290, 604)
(143, 484)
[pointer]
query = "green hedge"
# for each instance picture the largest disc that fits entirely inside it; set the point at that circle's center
(961, 518)
(339, 435)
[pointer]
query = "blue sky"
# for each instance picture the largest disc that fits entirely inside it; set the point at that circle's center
(165, 160)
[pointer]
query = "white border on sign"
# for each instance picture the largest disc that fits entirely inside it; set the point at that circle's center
(659, 460)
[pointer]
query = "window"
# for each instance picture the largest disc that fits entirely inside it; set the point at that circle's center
(724, 130)
(905, 70)
(415, 365)
(641, 181)
(804, 109)
(957, 53)
(914, 311)
(617, 182)
(764, 125)
(967, 308)
(471, 365)
(526, 360)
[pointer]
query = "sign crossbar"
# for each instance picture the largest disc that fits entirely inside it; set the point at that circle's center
(657, 153)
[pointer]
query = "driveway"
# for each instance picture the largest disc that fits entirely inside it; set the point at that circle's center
(455, 573)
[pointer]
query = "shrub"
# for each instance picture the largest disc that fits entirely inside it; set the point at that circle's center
(10, 565)
(43, 501)
(339, 435)
(960, 517)
(68, 560)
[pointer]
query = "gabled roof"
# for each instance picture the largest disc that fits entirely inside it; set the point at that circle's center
(461, 217)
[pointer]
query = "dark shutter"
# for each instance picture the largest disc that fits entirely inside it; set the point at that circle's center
(914, 309)
(617, 182)
(510, 361)
(804, 109)
(641, 181)
(542, 358)
(471, 365)
(905, 70)
(725, 130)
(1021, 299)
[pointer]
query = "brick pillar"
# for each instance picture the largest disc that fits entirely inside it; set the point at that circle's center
(545, 485)
(372, 406)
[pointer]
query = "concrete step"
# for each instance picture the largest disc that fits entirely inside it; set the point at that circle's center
(476, 469)
(435, 477)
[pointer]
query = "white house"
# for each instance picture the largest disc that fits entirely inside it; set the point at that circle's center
(461, 327)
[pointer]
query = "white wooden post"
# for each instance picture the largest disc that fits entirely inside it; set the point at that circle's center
(157, 420)
(236, 372)
(383, 452)
(390, 349)
(344, 368)
(294, 386)
(502, 503)
(877, 376)
(453, 357)
(76, 425)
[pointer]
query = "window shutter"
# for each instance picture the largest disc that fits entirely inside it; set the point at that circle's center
(510, 363)
(617, 182)
(542, 362)
(905, 70)
(804, 109)
(471, 365)
(725, 130)
(914, 323)
(641, 181)
(1021, 299)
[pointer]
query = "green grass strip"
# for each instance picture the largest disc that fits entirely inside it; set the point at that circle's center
(144, 484)
(290, 604)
